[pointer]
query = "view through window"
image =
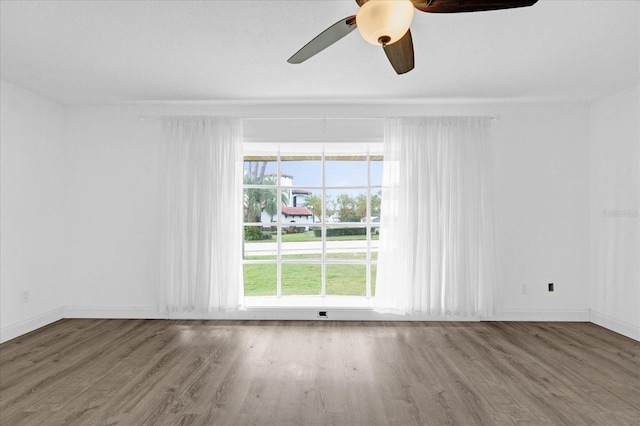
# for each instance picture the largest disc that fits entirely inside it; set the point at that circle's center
(311, 224)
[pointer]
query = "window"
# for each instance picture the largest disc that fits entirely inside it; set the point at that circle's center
(311, 223)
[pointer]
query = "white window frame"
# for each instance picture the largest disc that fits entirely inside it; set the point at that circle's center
(371, 152)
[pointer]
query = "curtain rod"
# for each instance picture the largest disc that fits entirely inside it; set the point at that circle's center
(160, 117)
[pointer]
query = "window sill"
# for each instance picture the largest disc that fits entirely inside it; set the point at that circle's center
(309, 302)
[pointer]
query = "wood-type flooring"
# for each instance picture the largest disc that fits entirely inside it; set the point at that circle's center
(165, 372)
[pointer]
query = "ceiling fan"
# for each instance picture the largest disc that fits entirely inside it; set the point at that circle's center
(386, 23)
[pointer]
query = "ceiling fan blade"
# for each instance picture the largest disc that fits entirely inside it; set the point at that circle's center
(456, 6)
(324, 39)
(400, 53)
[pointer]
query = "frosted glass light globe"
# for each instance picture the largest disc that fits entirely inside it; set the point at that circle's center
(384, 21)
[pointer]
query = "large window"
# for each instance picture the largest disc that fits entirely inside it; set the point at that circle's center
(311, 223)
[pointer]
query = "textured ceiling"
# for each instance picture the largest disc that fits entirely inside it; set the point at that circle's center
(104, 52)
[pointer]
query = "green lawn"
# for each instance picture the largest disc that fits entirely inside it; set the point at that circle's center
(301, 279)
(306, 279)
(260, 280)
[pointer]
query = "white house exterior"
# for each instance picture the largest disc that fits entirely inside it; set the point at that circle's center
(296, 211)
(297, 215)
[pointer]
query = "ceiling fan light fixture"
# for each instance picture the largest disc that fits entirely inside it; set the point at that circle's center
(383, 22)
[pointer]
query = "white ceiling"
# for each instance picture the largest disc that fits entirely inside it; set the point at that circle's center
(105, 52)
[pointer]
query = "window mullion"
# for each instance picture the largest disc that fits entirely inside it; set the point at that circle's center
(367, 232)
(278, 228)
(323, 229)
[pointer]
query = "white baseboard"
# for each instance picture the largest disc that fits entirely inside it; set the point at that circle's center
(577, 315)
(620, 327)
(253, 313)
(24, 327)
(337, 314)
(311, 313)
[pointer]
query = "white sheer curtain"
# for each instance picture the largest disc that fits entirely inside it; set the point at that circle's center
(201, 215)
(436, 240)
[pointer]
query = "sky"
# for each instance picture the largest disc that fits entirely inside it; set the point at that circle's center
(308, 173)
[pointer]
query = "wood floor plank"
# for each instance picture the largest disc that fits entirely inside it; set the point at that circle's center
(159, 372)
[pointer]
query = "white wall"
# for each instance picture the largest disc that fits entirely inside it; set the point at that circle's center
(614, 181)
(33, 243)
(113, 212)
(541, 174)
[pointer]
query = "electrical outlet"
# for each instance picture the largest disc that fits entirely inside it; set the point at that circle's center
(524, 289)
(24, 296)
(551, 287)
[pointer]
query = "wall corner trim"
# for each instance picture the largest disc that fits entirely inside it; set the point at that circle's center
(31, 324)
(629, 330)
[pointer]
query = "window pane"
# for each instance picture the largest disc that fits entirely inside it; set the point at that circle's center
(375, 241)
(375, 168)
(309, 198)
(259, 234)
(298, 243)
(374, 250)
(376, 202)
(299, 205)
(301, 279)
(302, 172)
(296, 255)
(260, 279)
(260, 205)
(260, 172)
(346, 205)
(346, 280)
(374, 272)
(346, 243)
(259, 243)
(345, 172)
(341, 254)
